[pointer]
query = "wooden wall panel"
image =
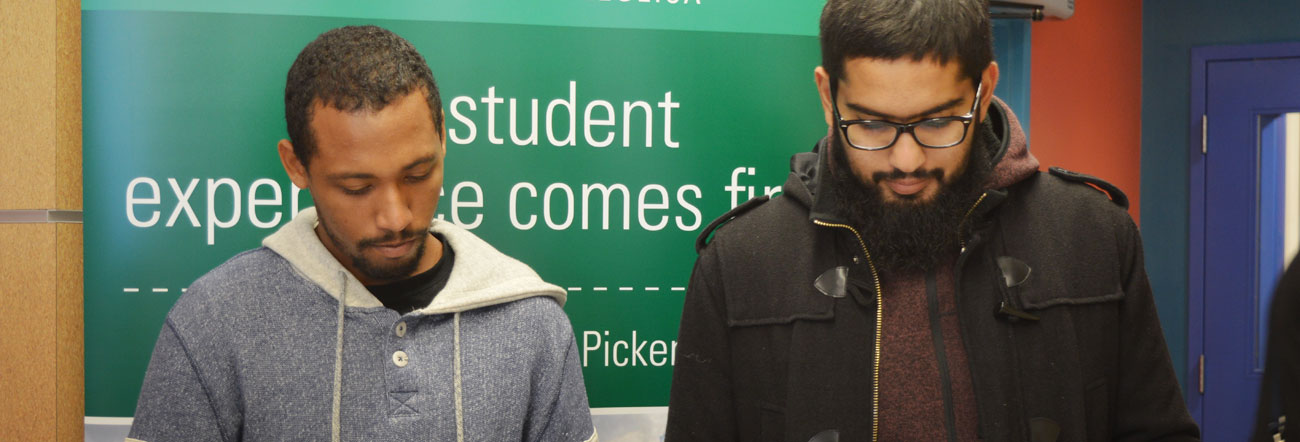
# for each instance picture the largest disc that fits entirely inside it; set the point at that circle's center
(42, 382)
(27, 117)
(27, 383)
(69, 295)
(67, 107)
(69, 324)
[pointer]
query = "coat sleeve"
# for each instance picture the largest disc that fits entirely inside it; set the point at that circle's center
(1279, 393)
(700, 405)
(1149, 406)
(174, 404)
(567, 418)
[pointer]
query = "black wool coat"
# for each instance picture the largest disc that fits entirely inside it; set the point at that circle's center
(1072, 350)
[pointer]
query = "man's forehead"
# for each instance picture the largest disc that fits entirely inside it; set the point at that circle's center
(903, 70)
(902, 89)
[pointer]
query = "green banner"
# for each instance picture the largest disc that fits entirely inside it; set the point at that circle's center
(641, 138)
(765, 17)
(591, 139)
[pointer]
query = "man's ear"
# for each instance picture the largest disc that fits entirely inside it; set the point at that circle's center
(442, 139)
(295, 169)
(823, 81)
(989, 80)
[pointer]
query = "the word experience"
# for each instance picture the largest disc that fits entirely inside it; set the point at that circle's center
(264, 198)
(599, 123)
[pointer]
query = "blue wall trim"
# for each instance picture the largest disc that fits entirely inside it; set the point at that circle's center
(1011, 47)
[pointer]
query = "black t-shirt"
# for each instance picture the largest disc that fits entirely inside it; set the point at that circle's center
(417, 291)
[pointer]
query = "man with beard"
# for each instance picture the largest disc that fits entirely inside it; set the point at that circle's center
(365, 318)
(919, 278)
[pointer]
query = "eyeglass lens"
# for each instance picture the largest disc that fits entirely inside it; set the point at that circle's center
(929, 133)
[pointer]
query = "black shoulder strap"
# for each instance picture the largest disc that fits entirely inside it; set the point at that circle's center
(707, 234)
(1116, 196)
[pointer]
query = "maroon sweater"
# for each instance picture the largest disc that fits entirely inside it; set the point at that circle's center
(912, 405)
(911, 382)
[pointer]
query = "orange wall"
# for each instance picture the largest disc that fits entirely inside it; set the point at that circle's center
(1086, 93)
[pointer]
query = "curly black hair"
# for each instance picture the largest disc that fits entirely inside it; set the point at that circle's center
(350, 69)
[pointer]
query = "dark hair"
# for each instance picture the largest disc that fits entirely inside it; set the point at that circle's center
(893, 29)
(350, 69)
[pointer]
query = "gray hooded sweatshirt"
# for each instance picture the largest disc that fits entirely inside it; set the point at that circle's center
(282, 343)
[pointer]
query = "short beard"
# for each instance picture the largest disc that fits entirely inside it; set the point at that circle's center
(379, 272)
(910, 236)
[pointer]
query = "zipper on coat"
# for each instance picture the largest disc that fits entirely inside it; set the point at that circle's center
(940, 354)
(962, 238)
(880, 321)
(957, 298)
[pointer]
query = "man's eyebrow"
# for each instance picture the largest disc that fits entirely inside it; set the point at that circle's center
(350, 176)
(430, 159)
(868, 111)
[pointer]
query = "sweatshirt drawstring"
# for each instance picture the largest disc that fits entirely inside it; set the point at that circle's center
(460, 424)
(335, 422)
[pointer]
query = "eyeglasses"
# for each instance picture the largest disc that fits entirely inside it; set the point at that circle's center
(934, 133)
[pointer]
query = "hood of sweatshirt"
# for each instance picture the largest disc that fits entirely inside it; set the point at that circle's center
(482, 276)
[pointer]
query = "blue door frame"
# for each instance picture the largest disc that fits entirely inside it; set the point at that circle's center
(1202, 59)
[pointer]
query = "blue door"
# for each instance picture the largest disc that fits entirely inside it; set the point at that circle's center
(1243, 94)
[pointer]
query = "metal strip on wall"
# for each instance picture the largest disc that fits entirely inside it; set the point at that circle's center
(40, 216)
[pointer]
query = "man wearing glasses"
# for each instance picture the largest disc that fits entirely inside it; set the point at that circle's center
(920, 279)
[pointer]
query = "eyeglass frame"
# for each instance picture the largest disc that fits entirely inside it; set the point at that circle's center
(900, 128)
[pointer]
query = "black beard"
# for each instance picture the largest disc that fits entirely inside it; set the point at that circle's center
(382, 272)
(910, 236)
(378, 272)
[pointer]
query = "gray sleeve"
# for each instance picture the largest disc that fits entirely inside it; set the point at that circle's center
(174, 404)
(568, 417)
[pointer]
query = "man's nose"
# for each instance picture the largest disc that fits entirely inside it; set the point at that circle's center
(394, 211)
(906, 155)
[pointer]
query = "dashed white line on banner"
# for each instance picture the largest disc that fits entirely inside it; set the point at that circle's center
(625, 289)
(151, 290)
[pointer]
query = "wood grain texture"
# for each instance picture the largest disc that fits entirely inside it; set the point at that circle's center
(69, 338)
(27, 117)
(67, 105)
(42, 380)
(27, 325)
